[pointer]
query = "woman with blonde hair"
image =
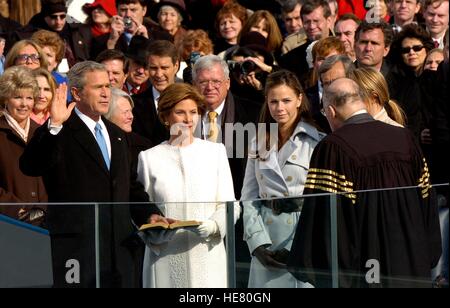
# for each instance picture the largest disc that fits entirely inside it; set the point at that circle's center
(18, 92)
(376, 96)
(47, 89)
(26, 53)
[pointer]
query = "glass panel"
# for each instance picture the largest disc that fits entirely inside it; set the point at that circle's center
(56, 250)
(382, 238)
(269, 229)
(188, 253)
(379, 238)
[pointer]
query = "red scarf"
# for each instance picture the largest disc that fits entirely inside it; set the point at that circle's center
(97, 31)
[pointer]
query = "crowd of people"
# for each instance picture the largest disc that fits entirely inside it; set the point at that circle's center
(159, 108)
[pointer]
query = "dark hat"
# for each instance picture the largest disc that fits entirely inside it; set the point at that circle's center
(137, 50)
(109, 6)
(257, 42)
(178, 4)
(49, 7)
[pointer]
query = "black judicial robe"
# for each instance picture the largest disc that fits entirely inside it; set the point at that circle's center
(397, 228)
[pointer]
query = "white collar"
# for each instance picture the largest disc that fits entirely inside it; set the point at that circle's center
(220, 108)
(89, 122)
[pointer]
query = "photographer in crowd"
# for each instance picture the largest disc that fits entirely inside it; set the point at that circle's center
(250, 64)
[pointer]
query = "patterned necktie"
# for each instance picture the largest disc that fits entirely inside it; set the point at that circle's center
(436, 44)
(134, 91)
(102, 144)
(213, 129)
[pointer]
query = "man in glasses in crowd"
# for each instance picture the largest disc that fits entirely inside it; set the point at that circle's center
(77, 37)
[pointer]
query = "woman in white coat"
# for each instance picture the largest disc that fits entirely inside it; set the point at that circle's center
(277, 168)
(190, 179)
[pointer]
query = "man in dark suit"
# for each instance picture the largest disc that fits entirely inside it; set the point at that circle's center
(316, 19)
(83, 158)
(129, 22)
(162, 65)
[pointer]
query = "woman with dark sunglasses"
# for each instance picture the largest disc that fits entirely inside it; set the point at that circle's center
(409, 84)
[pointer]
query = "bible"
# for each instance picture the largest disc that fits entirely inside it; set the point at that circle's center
(175, 225)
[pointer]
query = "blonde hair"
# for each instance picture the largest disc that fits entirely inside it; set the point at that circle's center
(41, 72)
(14, 79)
(12, 55)
(373, 84)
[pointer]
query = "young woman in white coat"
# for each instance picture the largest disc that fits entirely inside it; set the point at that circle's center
(190, 179)
(276, 168)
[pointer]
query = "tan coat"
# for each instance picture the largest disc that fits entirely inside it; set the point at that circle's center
(293, 40)
(15, 187)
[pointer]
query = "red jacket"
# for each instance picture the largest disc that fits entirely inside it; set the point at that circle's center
(352, 6)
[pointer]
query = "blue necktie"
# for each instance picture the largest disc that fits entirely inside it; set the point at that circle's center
(102, 144)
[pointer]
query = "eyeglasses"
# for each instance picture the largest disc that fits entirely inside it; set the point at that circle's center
(25, 57)
(214, 83)
(416, 48)
(54, 16)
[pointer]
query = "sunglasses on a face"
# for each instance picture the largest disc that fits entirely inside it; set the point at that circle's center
(416, 48)
(54, 16)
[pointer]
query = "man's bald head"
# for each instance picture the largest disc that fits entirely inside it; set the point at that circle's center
(341, 99)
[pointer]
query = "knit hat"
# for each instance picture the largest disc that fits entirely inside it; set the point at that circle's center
(109, 6)
(177, 4)
(50, 7)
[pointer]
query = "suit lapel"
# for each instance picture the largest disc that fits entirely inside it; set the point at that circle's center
(86, 139)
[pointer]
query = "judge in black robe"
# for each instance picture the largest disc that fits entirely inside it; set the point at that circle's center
(397, 228)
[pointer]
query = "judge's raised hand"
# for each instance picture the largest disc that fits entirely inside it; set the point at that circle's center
(59, 110)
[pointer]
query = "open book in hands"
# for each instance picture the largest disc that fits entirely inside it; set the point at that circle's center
(175, 225)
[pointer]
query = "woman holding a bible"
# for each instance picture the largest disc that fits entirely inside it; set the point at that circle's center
(190, 179)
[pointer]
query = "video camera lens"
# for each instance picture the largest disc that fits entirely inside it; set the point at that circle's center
(248, 67)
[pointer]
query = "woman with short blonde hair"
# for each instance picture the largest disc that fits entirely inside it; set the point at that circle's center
(26, 53)
(18, 92)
